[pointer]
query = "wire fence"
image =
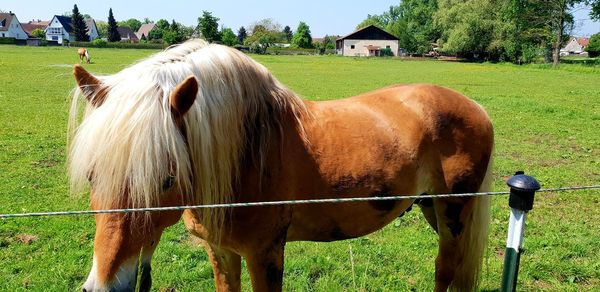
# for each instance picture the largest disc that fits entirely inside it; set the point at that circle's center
(287, 202)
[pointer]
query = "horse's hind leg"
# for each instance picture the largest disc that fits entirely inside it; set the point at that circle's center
(462, 230)
(226, 267)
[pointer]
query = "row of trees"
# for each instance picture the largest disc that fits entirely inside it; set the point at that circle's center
(511, 30)
(260, 35)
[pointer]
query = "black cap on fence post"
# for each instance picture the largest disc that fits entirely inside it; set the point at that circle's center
(522, 191)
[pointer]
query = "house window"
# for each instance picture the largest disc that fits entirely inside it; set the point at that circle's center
(352, 47)
(54, 30)
(387, 47)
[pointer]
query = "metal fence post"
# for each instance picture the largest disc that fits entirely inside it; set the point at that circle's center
(522, 192)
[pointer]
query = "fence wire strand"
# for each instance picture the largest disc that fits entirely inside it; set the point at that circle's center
(287, 202)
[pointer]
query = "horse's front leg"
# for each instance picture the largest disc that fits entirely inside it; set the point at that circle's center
(226, 267)
(266, 267)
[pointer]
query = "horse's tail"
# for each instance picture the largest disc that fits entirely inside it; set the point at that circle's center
(87, 55)
(475, 238)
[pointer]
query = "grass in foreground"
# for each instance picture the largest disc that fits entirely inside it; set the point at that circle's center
(546, 123)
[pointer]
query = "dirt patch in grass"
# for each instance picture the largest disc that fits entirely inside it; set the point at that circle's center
(26, 238)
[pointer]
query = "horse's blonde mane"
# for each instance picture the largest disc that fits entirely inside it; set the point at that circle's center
(131, 144)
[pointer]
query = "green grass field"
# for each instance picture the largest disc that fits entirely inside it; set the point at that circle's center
(547, 123)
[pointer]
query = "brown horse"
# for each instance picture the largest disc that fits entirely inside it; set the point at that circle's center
(205, 124)
(84, 53)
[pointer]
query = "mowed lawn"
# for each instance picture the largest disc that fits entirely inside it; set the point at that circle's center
(547, 123)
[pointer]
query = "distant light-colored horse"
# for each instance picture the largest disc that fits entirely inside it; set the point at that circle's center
(84, 53)
(205, 124)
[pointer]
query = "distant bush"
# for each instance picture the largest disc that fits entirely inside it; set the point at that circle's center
(593, 48)
(387, 52)
(38, 33)
(99, 43)
(582, 61)
(291, 51)
(530, 54)
(118, 45)
(7, 41)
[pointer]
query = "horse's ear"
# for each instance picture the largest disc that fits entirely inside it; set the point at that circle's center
(90, 86)
(183, 96)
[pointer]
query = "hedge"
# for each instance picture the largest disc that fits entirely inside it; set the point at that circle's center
(298, 51)
(588, 61)
(119, 45)
(7, 41)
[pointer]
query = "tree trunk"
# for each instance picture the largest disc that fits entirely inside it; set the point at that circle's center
(559, 33)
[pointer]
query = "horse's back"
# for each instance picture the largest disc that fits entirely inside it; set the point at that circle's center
(397, 128)
(408, 139)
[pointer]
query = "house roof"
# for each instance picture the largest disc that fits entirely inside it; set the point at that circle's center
(65, 21)
(584, 42)
(5, 20)
(29, 27)
(126, 33)
(145, 29)
(90, 22)
(370, 32)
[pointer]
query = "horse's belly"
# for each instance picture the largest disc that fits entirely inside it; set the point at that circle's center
(338, 221)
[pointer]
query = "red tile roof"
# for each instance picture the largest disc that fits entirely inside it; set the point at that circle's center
(584, 42)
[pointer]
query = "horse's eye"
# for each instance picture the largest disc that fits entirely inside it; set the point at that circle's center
(168, 183)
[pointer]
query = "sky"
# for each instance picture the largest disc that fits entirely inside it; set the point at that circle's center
(325, 17)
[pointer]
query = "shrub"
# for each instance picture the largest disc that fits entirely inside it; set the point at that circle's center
(38, 33)
(593, 48)
(387, 52)
(7, 41)
(530, 54)
(99, 43)
(119, 45)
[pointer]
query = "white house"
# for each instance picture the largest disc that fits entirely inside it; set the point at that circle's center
(575, 46)
(61, 29)
(10, 27)
(368, 41)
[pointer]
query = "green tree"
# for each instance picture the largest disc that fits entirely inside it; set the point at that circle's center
(38, 33)
(102, 28)
(173, 34)
(329, 42)
(113, 33)
(161, 26)
(265, 33)
(469, 28)
(561, 23)
(287, 31)
(302, 37)
(411, 21)
(208, 26)
(375, 20)
(79, 27)
(414, 25)
(228, 37)
(593, 48)
(242, 35)
(132, 23)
